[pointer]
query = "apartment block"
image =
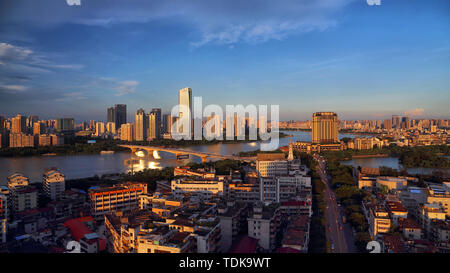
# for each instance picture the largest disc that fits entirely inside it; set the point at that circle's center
(378, 219)
(54, 184)
(203, 189)
(123, 197)
(3, 217)
(439, 194)
(233, 221)
(263, 224)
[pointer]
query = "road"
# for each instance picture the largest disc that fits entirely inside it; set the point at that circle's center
(338, 234)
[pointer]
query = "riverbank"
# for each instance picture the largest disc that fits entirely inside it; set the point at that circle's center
(81, 147)
(409, 157)
(370, 156)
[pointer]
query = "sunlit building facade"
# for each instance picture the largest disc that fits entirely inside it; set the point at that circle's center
(325, 127)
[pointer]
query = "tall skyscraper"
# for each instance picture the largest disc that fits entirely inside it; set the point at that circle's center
(387, 124)
(127, 132)
(120, 111)
(185, 99)
(167, 123)
(406, 124)
(325, 127)
(157, 113)
(18, 125)
(30, 121)
(396, 121)
(141, 125)
(111, 115)
(65, 124)
(153, 128)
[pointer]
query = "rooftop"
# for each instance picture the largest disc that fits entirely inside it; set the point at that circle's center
(270, 156)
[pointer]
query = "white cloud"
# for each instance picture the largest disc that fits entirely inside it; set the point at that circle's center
(10, 53)
(223, 22)
(126, 87)
(21, 59)
(417, 112)
(13, 88)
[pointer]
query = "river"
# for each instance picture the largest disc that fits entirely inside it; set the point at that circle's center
(391, 162)
(80, 166)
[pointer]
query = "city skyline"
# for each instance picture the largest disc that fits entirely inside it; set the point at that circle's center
(79, 60)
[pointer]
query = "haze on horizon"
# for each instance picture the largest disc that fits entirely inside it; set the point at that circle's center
(360, 61)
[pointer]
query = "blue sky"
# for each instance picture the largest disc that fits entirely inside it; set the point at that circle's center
(361, 61)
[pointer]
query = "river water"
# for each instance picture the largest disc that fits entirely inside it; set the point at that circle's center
(391, 162)
(79, 166)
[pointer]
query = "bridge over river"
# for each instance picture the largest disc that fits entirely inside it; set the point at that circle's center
(179, 152)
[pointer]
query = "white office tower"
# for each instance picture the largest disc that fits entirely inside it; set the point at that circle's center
(185, 99)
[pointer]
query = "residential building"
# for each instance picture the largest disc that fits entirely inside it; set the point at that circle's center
(123, 197)
(54, 184)
(3, 217)
(21, 140)
(264, 223)
(429, 213)
(233, 222)
(377, 218)
(204, 189)
(17, 180)
(439, 194)
(127, 132)
(81, 230)
(141, 125)
(297, 234)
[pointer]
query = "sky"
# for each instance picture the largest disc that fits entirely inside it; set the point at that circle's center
(358, 60)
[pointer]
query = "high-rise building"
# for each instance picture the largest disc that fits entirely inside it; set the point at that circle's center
(406, 124)
(54, 184)
(387, 124)
(185, 99)
(2, 123)
(21, 140)
(19, 124)
(325, 127)
(396, 121)
(111, 115)
(31, 120)
(65, 124)
(120, 111)
(127, 132)
(99, 128)
(156, 124)
(39, 128)
(152, 127)
(141, 125)
(111, 127)
(167, 123)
